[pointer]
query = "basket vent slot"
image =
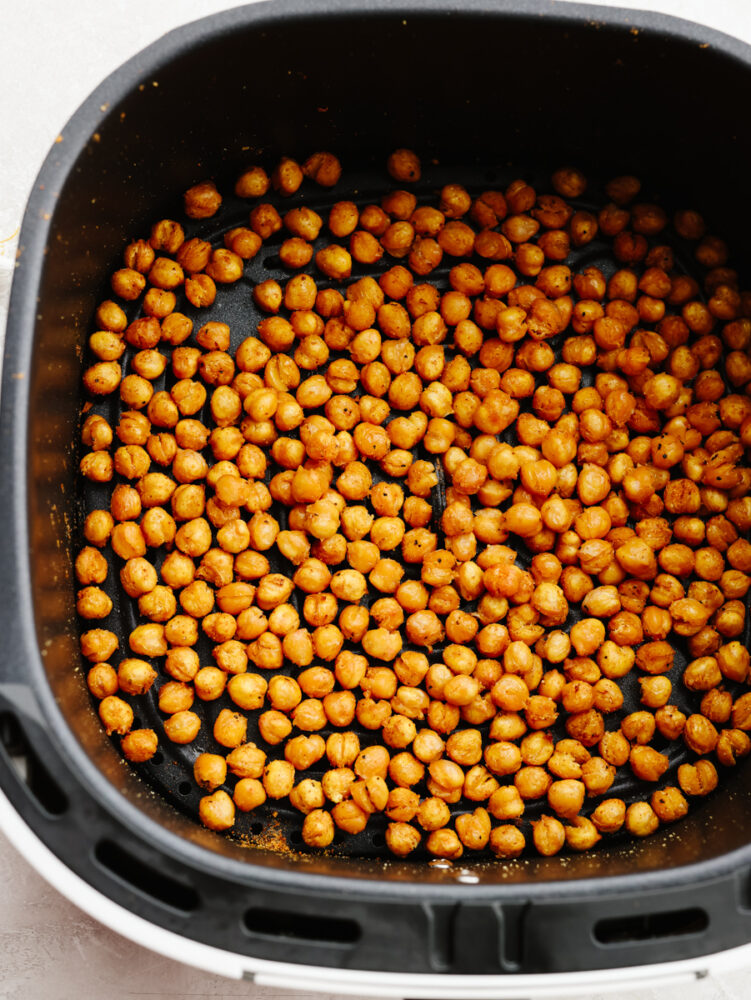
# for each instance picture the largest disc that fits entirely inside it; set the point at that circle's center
(301, 926)
(648, 926)
(29, 768)
(147, 880)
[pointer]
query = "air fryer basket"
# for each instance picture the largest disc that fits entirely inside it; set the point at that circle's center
(488, 94)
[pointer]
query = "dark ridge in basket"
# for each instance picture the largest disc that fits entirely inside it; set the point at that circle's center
(170, 771)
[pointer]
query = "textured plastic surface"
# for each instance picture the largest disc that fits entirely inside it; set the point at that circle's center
(257, 83)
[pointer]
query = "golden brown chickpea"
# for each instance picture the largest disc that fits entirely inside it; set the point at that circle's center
(102, 680)
(532, 782)
(697, 779)
(402, 838)
(582, 834)
(210, 771)
(731, 744)
(116, 715)
(175, 696)
(548, 835)
(318, 828)
(247, 690)
(700, 734)
(217, 811)
(336, 783)
(473, 829)
(370, 795)
(647, 764)
(404, 165)
(136, 676)
(246, 761)
(128, 283)
(182, 727)
(278, 779)
(139, 745)
(641, 819)
(248, 794)
(507, 841)
(349, 817)
(230, 728)
(253, 183)
(669, 804)
(209, 683)
(202, 200)
(444, 844)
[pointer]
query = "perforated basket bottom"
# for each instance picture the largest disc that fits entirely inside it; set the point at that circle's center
(170, 771)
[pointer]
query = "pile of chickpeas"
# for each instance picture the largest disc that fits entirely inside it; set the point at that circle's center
(499, 493)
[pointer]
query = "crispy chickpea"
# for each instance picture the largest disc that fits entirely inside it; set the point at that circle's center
(136, 676)
(507, 841)
(731, 744)
(217, 811)
(334, 261)
(697, 779)
(404, 165)
(566, 797)
(587, 636)
(246, 761)
(610, 815)
(210, 771)
(230, 728)
(102, 680)
(641, 819)
(139, 745)
(402, 838)
(548, 835)
(209, 683)
(349, 817)
(182, 727)
(278, 779)
(592, 456)
(116, 715)
(337, 783)
(318, 828)
(648, 764)
(700, 734)
(669, 804)
(202, 200)
(444, 843)
(248, 794)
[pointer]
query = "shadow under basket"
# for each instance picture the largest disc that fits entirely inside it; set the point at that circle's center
(480, 91)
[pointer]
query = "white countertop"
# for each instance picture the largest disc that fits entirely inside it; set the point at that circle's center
(52, 55)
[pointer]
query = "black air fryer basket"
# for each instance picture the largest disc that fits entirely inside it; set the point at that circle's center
(485, 92)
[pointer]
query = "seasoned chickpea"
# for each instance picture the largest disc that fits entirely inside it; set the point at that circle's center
(182, 727)
(318, 828)
(139, 745)
(248, 794)
(621, 470)
(697, 779)
(278, 779)
(669, 804)
(566, 797)
(402, 838)
(641, 819)
(217, 811)
(116, 715)
(548, 835)
(102, 680)
(210, 771)
(647, 763)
